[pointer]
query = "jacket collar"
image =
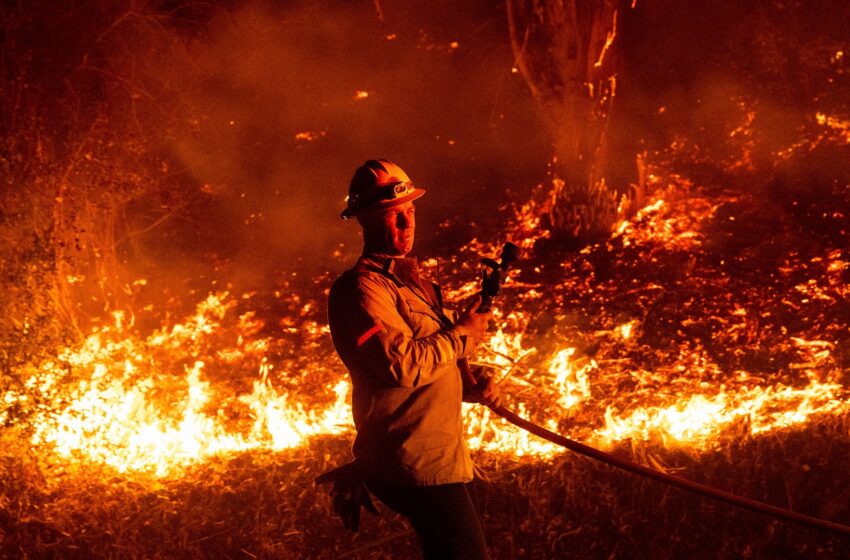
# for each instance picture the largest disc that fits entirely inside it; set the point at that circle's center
(394, 268)
(388, 265)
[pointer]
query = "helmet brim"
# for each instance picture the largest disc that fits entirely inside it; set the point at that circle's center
(352, 211)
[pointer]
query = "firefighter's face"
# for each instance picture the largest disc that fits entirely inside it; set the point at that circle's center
(389, 230)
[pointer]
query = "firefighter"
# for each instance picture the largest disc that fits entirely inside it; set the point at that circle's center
(402, 349)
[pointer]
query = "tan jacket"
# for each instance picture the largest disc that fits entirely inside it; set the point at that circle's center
(398, 345)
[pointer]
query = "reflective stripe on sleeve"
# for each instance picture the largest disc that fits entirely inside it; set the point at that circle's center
(368, 334)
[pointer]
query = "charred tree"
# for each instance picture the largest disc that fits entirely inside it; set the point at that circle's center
(566, 52)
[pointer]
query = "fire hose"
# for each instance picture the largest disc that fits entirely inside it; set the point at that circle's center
(491, 286)
(350, 494)
(672, 480)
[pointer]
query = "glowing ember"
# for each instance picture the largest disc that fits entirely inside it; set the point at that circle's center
(310, 135)
(609, 40)
(584, 356)
(840, 126)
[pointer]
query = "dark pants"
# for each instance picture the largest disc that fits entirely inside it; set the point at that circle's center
(443, 517)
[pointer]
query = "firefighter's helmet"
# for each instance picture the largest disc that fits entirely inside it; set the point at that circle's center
(379, 182)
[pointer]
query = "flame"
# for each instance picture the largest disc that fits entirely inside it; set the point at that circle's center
(571, 381)
(223, 381)
(111, 416)
(702, 417)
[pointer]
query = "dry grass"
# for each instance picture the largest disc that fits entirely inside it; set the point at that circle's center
(263, 505)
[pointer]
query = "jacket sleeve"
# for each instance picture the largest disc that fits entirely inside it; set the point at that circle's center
(390, 349)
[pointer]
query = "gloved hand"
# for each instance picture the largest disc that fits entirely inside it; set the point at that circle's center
(485, 391)
(473, 324)
(349, 494)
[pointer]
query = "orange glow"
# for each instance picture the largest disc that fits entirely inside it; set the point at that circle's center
(310, 135)
(218, 382)
(609, 40)
(110, 417)
(840, 126)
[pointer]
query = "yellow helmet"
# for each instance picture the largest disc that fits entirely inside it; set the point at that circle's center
(379, 182)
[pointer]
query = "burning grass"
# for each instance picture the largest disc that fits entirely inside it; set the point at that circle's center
(263, 504)
(706, 336)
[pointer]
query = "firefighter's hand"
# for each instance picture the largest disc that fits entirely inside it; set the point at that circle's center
(347, 502)
(486, 392)
(349, 494)
(473, 324)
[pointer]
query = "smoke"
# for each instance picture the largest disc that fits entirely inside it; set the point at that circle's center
(217, 140)
(287, 102)
(694, 69)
